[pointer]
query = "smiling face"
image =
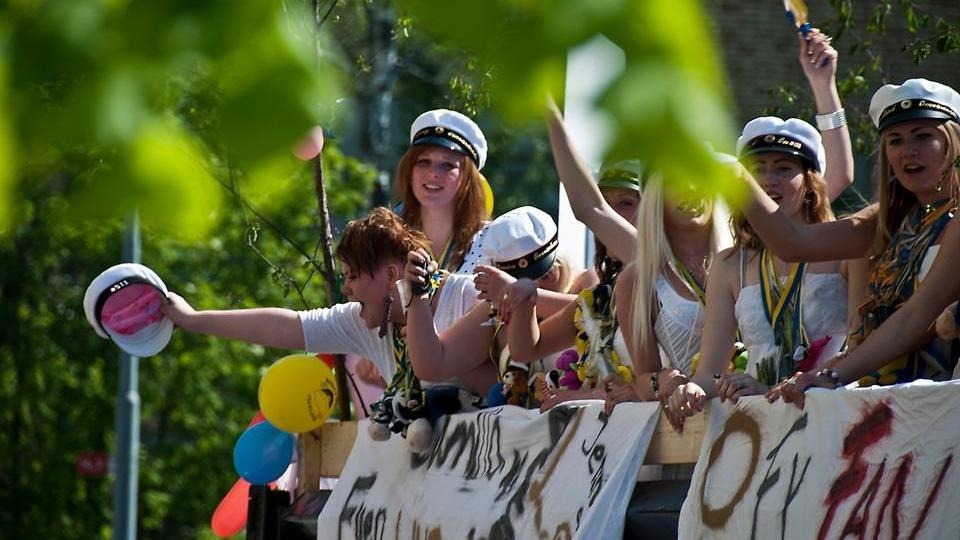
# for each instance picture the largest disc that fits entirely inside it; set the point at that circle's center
(916, 153)
(623, 201)
(436, 177)
(370, 290)
(781, 176)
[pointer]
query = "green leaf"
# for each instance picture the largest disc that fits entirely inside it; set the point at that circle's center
(7, 152)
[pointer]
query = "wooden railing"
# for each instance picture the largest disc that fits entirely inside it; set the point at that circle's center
(324, 452)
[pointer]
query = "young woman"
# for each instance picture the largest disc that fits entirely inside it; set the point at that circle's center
(587, 322)
(524, 246)
(788, 315)
(668, 289)
(442, 192)
(906, 232)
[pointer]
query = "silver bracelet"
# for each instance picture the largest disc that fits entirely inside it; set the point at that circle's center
(834, 120)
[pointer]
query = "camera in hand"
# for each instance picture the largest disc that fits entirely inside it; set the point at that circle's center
(420, 288)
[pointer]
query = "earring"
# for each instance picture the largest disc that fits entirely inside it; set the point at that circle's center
(388, 303)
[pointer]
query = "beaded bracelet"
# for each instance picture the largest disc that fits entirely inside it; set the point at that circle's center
(655, 384)
(832, 374)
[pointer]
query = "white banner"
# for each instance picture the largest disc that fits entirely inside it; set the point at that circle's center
(505, 472)
(875, 462)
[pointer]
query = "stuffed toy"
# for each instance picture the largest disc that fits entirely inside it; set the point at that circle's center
(398, 414)
(948, 325)
(541, 382)
(516, 387)
(567, 364)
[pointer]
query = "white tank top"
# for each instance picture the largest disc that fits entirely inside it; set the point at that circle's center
(824, 314)
(678, 327)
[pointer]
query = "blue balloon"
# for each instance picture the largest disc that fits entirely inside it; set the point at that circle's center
(262, 453)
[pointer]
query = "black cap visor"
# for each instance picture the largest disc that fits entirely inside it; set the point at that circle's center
(534, 265)
(898, 117)
(782, 145)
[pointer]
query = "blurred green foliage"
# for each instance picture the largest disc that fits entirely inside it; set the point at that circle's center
(669, 101)
(187, 110)
(108, 78)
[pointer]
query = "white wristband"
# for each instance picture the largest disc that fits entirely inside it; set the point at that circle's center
(832, 120)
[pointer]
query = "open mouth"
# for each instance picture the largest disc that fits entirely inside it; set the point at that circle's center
(693, 207)
(432, 187)
(913, 169)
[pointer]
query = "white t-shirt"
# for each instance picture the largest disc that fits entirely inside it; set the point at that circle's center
(340, 330)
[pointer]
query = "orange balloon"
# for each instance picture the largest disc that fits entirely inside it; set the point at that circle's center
(230, 517)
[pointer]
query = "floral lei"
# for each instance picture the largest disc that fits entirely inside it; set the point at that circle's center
(595, 320)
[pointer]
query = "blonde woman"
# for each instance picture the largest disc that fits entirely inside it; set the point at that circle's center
(664, 314)
(788, 315)
(660, 296)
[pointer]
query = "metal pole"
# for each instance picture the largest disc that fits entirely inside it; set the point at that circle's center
(127, 427)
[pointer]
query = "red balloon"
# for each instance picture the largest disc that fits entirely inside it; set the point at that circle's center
(257, 418)
(230, 517)
(327, 359)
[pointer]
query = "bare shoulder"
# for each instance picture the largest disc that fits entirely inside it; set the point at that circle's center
(725, 267)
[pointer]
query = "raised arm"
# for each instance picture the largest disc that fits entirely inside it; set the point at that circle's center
(459, 349)
(272, 327)
(847, 238)
(819, 62)
(585, 198)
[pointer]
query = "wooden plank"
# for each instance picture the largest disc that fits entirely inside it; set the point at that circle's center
(667, 447)
(324, 452)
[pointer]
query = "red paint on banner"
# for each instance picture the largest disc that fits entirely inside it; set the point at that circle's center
(875, 426)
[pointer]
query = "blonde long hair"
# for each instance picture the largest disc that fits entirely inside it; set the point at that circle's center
(654, 253)
(896, 202)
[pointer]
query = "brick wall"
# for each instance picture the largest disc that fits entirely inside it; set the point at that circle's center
(760, 51)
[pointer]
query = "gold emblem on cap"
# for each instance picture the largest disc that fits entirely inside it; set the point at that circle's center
(523, 263)
(769, 138)
(438, 129)
(906, 104)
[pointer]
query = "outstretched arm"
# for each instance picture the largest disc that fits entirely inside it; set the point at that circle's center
(272, 327)
(585, 198)
(847, 238)
(904, 331)
(819, 62)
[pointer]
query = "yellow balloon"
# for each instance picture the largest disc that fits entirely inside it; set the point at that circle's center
(297, 393)
(487, 195)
